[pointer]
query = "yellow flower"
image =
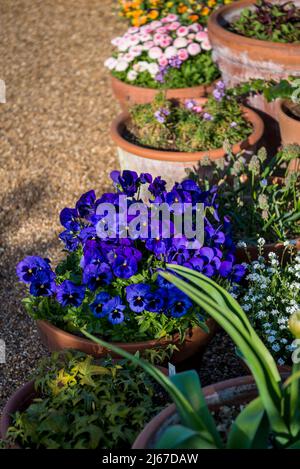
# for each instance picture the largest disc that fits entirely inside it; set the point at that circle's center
(211, 3)
(226, 2)
(137, 13)
(153, 14)
(205, 11)
(170, 4)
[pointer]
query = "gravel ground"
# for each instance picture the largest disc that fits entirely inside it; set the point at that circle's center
(54, 145)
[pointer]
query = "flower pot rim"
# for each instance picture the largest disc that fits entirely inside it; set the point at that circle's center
(216, 28)
(281, 104)
(119, 123)
(197, 88)
(213, 395)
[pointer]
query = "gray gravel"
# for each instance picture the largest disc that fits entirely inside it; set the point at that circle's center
(54, 145)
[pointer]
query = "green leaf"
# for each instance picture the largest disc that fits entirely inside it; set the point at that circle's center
(251, 428)
(180, 437)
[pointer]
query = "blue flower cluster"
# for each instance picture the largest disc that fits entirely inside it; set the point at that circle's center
(104, 261)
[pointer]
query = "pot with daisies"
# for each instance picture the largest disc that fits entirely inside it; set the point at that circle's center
(108, 282)
(166, 137)
(164, 54)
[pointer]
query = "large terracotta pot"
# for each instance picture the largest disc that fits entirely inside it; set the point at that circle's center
(172, 165)
(22, 399)
(195, 343)
(289, 130)
(241, 58)
(230, 392)
(253, 253)
(129, 95)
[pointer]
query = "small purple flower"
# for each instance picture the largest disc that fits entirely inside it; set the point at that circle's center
(71, 240)
(159, 117)
(238, 272)
(114, 310)
(175, 62)
(69, 219)
(189, 104)
(86, 204)
(157, 187)
(233, 124)
(145, 178)
(29, 267)
(264, 182)
(178, 303)
(97, 275)
(97, 306)
(42, 284)
(207, 116)
(136, 296)
(69, 294)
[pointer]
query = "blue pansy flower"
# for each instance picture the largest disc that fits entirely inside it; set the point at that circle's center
(178, 303)
(97, 306)
(124, 267)
(30, 266)
(97, 275)
(86, 204)
(69, 218)
(128, 180)
(157, 186)
(71, 240)
(42, 284)
(136, 296)
(145, 178)
(69, 294)
(88, 233)
(155, 301)
(113, 309)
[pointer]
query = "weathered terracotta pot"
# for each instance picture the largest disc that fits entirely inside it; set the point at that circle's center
(195, 343)
(230, 392)
(241, 58)
(278, 248)
(172, 165)
(22, 399)
(129, 95)
(289, 130)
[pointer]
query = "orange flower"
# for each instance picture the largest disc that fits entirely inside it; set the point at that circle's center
(193, 18)
(137, 13)
(182, 8)
(153, 14)
(205, 11)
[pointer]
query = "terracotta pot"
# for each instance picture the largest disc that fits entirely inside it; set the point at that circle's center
(22, 399)
(290, 130)
(172, 165)
(230, 392)
(241, 58)
(57, 339)
(278, 248)
(129, 95)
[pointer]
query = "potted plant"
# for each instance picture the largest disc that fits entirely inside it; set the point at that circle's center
(259, 202)
(162, 54)
(141, 12)
(75, 403)
(257, 39)
(269, 417)
(107, 283)
(270, 296)
(167, 137)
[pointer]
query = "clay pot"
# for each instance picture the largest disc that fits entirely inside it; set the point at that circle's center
(230, 392)
(22, 399)
(129, 95)
(241, 58)
(172, 165)
(278, 248)
(289, 130)
(195, 343)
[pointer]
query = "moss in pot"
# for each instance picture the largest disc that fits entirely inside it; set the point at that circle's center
(270, 420)
(78, 403)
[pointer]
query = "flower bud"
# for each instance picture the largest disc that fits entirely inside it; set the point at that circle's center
(294, 324)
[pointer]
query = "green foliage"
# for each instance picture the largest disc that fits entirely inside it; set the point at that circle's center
(270, 421)
(84, 405)
(188, 130)
(269, 21)
(198, 70)
(256, 201)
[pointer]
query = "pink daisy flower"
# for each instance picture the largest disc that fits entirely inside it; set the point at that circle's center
(194, 48)
(163, 61)
(182, 31)
(183, 54)
(155, 52)
(172, 17)
(170, 52)
(147, 45)
(180, 42)
(173, 26)
(201, 36)
(206, 45)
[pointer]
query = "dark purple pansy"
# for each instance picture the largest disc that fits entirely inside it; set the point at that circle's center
(113, 309)
(124, 267)
(69, 294)
(97, 275)
(157, 186)
(71, 240)
(86, 204)
(42, 284)
(30, 266)
(155, 301)
(136, 296)
(97, 306)
(178, 303)
(145, 178)
(69, 218)
(128, 180)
